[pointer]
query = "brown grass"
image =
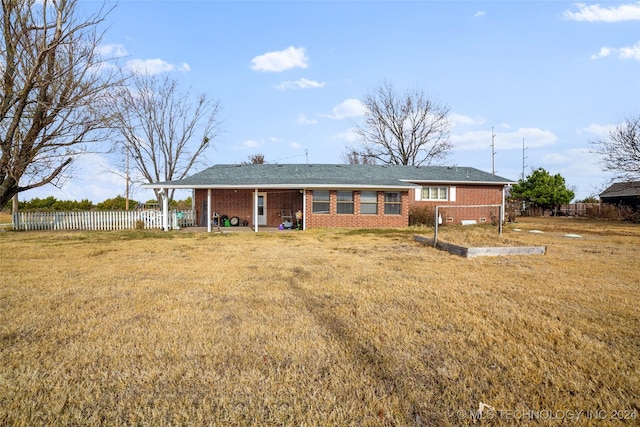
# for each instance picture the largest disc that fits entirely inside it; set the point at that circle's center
(5, 221)
(321, 327)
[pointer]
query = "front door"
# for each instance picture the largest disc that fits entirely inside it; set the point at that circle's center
(262, 208)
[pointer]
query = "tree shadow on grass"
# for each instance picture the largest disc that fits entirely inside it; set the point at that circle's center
(365, 357)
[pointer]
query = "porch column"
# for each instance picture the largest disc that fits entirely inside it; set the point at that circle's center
(165, 210)
(304, 209)
(209, 210)
(255, 211)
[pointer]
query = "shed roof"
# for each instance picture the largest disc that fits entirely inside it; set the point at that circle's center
(622, 189)
(330, 176)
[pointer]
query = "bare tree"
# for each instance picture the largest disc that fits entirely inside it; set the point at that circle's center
(52, 86)
(254, 159)
(164, 130)
(402, 130)
(621, 152)
(358, 156)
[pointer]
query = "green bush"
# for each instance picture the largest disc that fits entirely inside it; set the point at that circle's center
(117, 203)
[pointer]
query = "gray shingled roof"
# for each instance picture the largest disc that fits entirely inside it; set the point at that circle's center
(327, 175)
(622, 189)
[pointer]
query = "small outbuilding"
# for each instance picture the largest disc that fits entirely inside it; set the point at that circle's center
(623, 194)
(337, 195)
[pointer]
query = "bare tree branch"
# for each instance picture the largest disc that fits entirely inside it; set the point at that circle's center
(164, 130)
(52, 86)
(402, 130)
(621, 152)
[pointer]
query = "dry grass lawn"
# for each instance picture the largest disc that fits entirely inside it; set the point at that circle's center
(321, 327)
(5, 221)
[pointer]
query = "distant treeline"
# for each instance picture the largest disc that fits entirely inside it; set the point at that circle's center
(117, 203)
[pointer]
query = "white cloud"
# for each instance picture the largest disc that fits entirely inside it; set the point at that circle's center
(632, 52)
(460, 119)
(578, 162)
(303, 120)
(597, 13)
(148, 66)
(299, 84)
(601, 131)
(555, 158)
(184, 67)
(348, 108)
(112, 51)
(479, 13)
(350, 135)
(295, 145)
(629, 52)
(282, 60)
(604, 51)
(251, 143)
(481, 140)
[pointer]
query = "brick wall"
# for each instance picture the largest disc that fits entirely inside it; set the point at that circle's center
(468, 195)
(240, 203)
(357, 220)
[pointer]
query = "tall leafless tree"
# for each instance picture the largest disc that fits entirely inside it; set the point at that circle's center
(164, 130)
(408, 129)
(621, 152)
(53, 81)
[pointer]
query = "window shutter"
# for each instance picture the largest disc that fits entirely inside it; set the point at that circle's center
(452, 194)
(418, 193)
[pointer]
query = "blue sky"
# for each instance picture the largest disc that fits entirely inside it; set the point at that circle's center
(289, 74)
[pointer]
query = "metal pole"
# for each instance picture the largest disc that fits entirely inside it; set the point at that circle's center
(493, 152)
(435, 233)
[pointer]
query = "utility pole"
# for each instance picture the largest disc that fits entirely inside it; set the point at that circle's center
(524, 205)
(523, 158)
(493, 152)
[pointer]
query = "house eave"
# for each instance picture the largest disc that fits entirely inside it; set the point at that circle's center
(277, 186)
(419, 183)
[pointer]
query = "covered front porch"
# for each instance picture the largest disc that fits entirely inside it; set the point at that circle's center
(255, 208)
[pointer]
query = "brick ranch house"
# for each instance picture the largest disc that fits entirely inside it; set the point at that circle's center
(339, 195)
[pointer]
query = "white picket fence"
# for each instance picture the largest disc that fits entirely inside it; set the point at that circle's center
(100, 220)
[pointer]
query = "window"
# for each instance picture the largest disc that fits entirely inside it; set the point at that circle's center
(435, 193)
(320, 201)
(368, 202)
(345, 202)
(392, 204)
